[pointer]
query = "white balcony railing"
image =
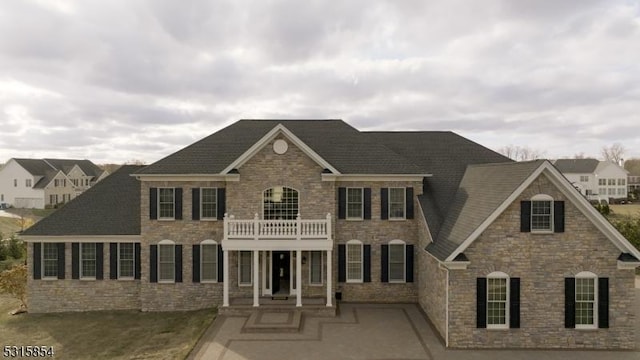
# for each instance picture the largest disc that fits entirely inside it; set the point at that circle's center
(257, 229)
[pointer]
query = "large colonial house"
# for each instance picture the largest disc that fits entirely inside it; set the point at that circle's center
(312, 213)
(38, 183)
(603, 181)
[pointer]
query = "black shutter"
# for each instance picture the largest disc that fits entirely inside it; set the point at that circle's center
(409, 195)
(558, 216)
(409, 264)
(37, 261)
(75, 260)
(113, 261)
(366, 263)
(514, 303)
(342, 203)
(367, 203)
(384, 263)
(195, 261)
(342, 263)
(195, 204)
(137, 261)
(153, 203)
(222, 203)
(525, 216)
(153, 263)
(220, 264)
(603, 303)
(61, 263)
(384, 203)
(178, 262)
(178, 203)
(569, 302)
(481, 303)
(99, 261)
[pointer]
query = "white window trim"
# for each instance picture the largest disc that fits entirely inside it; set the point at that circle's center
(499, 275)
(82, 277)
(43, 277)
(120, 277)
(404, 204)
(588, 275)
(361, 279)
(160, 218)
(202, 218)
(215, 279)
(250, 283)
(543, 197)
(288, 187)
(346, 205)
(173, 261)
(321, 283)
(404, 262)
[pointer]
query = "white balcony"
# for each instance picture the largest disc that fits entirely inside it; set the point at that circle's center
(257, 234)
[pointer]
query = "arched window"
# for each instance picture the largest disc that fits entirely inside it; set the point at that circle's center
(354, 261)
(208, 261)
(280, 203)
(586, 300)
(397, 261)
(541, 213)
(497, 300)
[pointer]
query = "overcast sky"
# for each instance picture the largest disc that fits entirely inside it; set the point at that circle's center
(113, 81)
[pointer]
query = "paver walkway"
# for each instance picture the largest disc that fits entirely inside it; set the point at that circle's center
(364, 331)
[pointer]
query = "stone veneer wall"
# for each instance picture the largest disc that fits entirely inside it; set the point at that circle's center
(80, 295)
(542, 262)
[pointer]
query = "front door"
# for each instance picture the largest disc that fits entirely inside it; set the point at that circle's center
(280, 273)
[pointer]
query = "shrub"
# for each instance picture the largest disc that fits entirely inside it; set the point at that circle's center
(16, 248)
(629, 228)
(14, 283)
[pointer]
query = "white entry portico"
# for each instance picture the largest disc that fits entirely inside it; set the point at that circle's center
(267, 237)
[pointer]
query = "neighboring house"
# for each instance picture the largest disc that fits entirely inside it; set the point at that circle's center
(497, 253)
(596, 180)
(37, 183)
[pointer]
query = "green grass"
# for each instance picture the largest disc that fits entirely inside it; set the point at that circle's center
(8, 226)
(106, 334)
(632, 210)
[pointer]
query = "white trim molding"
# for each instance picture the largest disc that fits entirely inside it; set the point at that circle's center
(374, 177)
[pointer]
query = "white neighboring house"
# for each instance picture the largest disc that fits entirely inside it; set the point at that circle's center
(36, 183)
(596, 180)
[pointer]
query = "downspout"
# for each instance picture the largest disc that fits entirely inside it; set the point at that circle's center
(446, 325)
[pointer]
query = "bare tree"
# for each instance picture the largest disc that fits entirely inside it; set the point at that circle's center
(632, 166)
(521, 153)
(135, 162)
(579, 155)
(613, 153)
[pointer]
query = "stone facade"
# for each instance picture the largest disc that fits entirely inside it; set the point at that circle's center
(541, 261)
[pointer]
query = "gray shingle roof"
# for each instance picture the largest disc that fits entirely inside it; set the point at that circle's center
(342, 146)
(482, 190)
(576, 166)
(88, 167)
(111, 207)
(37, 167)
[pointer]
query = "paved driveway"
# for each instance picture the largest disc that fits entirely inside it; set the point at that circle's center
(364, 331)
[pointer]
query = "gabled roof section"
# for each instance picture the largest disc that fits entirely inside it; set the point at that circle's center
(576, 166)
(36, 167)
(111, 207)
(66, 165)
(343, 147)
(47, 179)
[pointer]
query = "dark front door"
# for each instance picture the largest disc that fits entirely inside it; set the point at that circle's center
(280, 272)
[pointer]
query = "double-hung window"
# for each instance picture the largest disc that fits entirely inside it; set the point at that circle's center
(315, 267)
(397, 206)
(497, 300)
(208, 261)
(126, 260)
(50, 260)
(166, 261)
(87, 260)
(586, 295)
(354, 261)
(245, 265)
(355, 203)
(166, 203)
(397, 267)
(209, 203)
(541, 213)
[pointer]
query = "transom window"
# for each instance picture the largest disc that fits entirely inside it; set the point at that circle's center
(209, 203)
(354, 261)
(280, 203)
(497, 297)
(208, 261)
(397, 206)
(315, 267)
(541, 213)
(126, 260)
(166, 261)
(166, 199)
(586, 295)
(244, 268)
(88, 260)
(355, 203)
(50, 260)
(397, 261)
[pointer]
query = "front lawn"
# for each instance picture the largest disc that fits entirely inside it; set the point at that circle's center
(105, 334)
(632, 210)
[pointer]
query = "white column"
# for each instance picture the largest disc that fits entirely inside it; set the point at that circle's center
(329, 278)
(225, 284)
(298, 278)
(256, 302)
